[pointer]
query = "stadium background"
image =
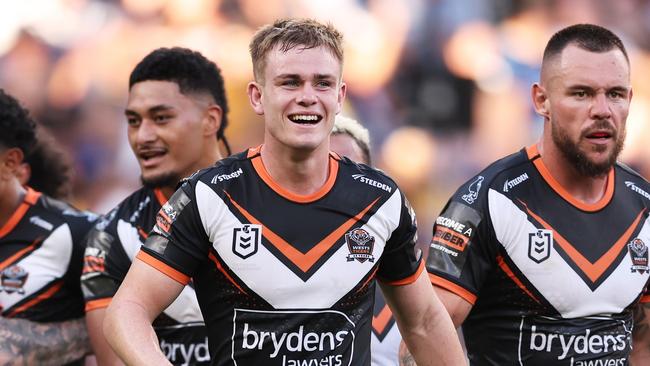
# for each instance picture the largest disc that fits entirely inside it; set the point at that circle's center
(442, 85)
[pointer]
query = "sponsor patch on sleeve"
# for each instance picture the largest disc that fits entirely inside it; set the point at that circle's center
(170, 212)
(452, 236)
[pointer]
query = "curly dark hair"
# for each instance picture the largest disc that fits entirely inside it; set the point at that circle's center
(50, 168)
(192, 71)
(18, 128)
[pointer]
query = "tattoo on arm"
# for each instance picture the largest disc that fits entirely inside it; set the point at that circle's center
(405, 357)
(24, 342)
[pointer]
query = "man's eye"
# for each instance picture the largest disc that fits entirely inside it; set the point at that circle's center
(161, 118)
(580, 93)
(615, 94)
(133, 121)
(323, 84)
(291, 83)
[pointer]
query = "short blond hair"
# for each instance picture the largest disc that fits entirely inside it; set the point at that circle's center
(291, 33)
(353, 128)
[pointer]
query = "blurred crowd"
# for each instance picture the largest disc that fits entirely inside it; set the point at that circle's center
(442, 85)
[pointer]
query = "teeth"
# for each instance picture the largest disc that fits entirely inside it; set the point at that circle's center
(304, 117)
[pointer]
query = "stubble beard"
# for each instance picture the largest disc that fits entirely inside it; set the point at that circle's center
(579, 160)
(163, 180)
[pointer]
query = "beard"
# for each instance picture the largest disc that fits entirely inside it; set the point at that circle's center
(163, 180)
(578, 159)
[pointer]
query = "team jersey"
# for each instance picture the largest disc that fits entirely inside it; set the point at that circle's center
(111, 246)
(41, 256)
(552, 280)
(385, 337)
(286, 279)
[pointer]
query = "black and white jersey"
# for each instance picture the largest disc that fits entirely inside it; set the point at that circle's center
(552, 280)
(385, 337)
(111, 246)
(41, 256)
(285, 279)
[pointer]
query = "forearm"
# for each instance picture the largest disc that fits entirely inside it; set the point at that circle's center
(432, 341)
(128, 330)
(26, 342)
(641, 336)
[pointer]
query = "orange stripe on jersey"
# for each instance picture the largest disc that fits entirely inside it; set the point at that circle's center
(160, 196)
(380, 321)
(452, 287)
(258, 164)
(592, 270)
(31, 197)
(307, 260)
(43, 296)
(372, 275)
(408, 280)
(589, 207)
(645, 299)
(20, 254)
(223, 270)
(163, 267)
(142, 233)
(514, 278)
(98, 304)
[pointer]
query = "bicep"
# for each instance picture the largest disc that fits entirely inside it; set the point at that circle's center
(146, 288)
(457, 307)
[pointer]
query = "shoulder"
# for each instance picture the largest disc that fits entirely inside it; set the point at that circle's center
(365, 175)
(79, 221)
(224, 171)
(503, 175)
(632, 180)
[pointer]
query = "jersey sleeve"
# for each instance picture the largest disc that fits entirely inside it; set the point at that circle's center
(461, 253)
(105, 263)
(401, 263)
(178, 243)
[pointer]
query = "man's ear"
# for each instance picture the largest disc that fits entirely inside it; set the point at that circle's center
(12, 160)
(341, 97)
(540, 100)
(212, 120)
(255, 97)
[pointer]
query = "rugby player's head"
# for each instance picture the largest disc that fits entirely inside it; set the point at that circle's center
(287, 34)
(298, 85)
(589, 37)
(349, 138)
(177, 104)
(17, 136)
(584, 95)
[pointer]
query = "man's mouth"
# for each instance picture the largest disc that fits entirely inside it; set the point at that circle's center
(305, 119)
(150, 156)
(599, 135)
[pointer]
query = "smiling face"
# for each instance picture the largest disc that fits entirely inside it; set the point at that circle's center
(586, 102)
(299, 96)
(167, 132)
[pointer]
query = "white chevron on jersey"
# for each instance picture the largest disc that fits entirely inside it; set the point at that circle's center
(51, 261)
(129, 238)
(185, 309)
(284, 289)
(570, 296)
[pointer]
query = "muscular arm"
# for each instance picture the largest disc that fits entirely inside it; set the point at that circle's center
(23, 342)
(456, 306)
(103, 351)
(143, 295)
(641, 336)
(425, 325)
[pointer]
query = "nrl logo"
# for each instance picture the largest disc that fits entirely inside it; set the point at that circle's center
(246, 240)
(639, 255)
(13, 279)
(539, 245)
(360, 244)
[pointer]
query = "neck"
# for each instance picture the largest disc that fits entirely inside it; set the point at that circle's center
(587, 189)
(12, 197)
(207, 160)
(299, 172)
